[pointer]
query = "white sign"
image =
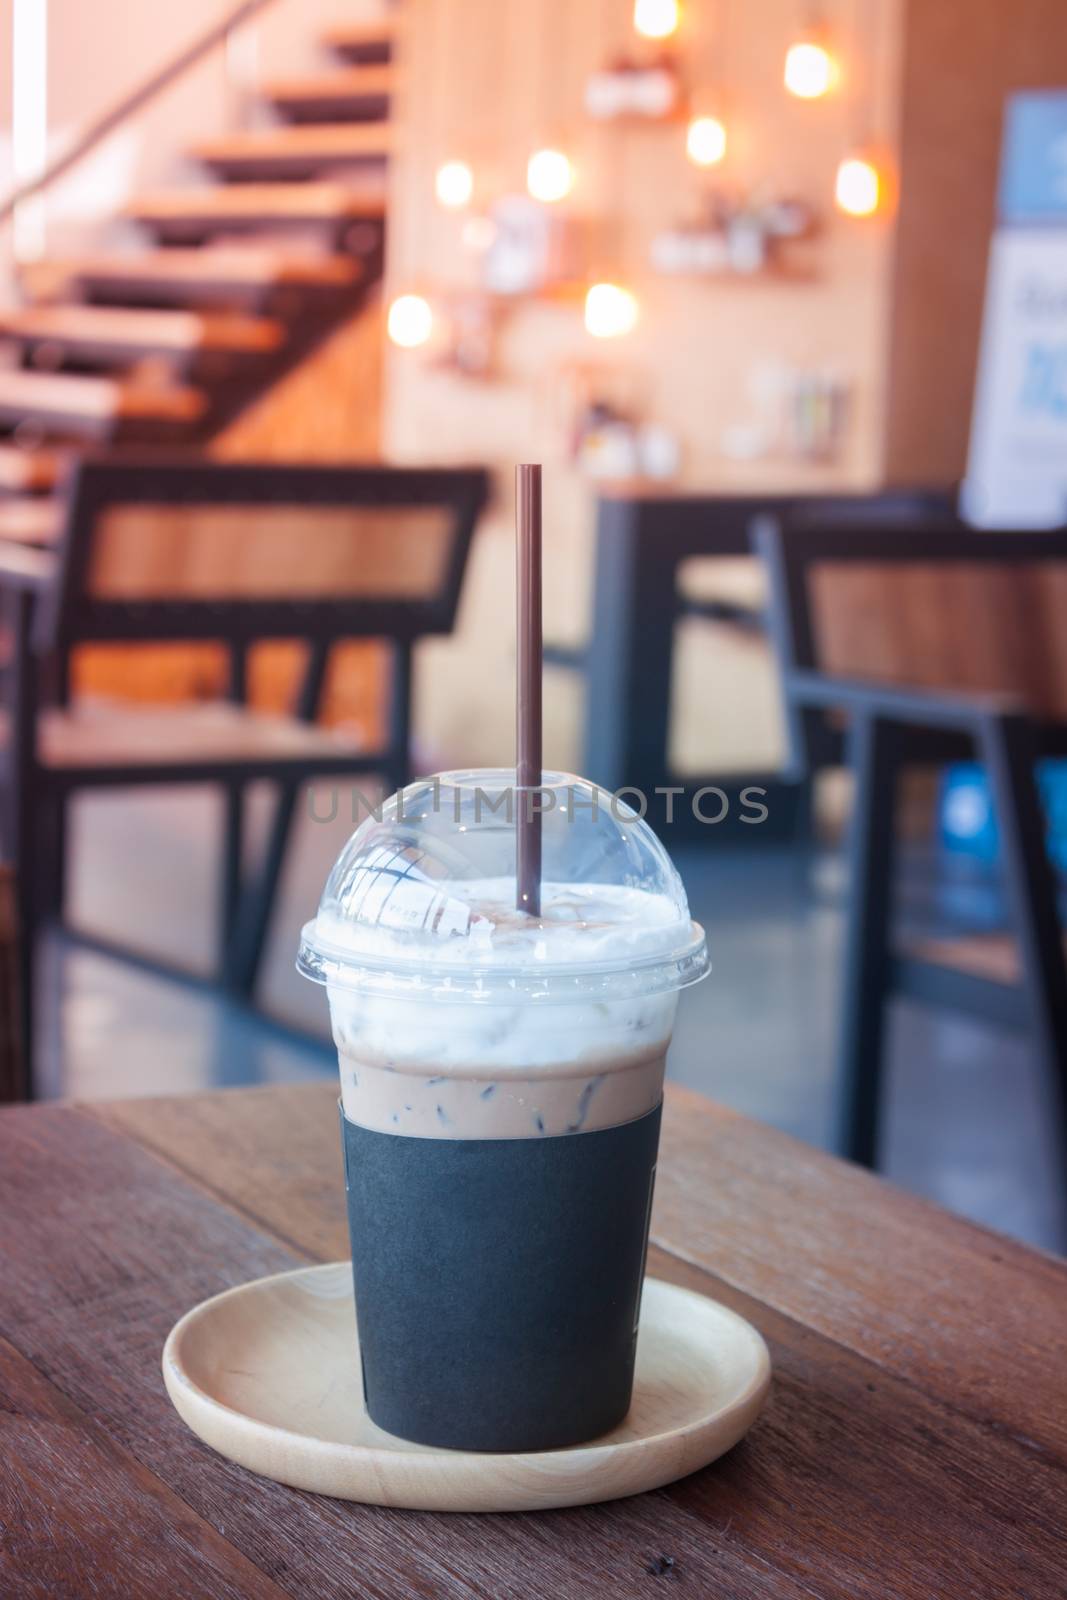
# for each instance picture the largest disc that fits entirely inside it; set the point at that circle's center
(1017, 471)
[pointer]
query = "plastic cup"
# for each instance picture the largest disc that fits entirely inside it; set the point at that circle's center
(501, 1081)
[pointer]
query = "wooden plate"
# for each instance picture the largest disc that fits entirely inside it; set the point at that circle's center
(268, 1375)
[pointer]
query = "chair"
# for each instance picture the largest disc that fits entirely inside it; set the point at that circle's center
(165, 550)
(644, 544)
(11, 1060)
(926, 644)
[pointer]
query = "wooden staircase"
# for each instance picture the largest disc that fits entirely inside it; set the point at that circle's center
(27, 472)
(194, 214)
(299, 150)
(253, 276)
(95, 407)
(348, 95)
(236, 281)
(366, 44)
(53, 337)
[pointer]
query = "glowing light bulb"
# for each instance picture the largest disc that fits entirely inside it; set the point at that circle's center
(454, 184)
(549, 175)
(609, 311)
(810, 70)
(656, 19)
(705, 141)
(858, 190)
(410, 321)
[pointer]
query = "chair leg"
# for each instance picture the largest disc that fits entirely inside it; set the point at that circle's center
(873, 757)
(27, 802)
(251, 923)
(27, 931)
(232, 854)
(1010, 752)
(53, 815)
(53, 848)
(12, 1055)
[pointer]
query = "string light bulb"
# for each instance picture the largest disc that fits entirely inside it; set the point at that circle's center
(656, 19)
(810, 70)
(610, 311)
(705, 141)
(410, 321)
(858, 189)
(454, 184)
(549, 175)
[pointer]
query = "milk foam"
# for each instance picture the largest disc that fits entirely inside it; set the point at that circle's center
(584, 931)
(475, 924)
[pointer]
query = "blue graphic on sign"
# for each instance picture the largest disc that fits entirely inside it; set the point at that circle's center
(1033, 168)
(1044, 385)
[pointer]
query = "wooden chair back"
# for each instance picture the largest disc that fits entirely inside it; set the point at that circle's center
(924, 606)
(180, 550)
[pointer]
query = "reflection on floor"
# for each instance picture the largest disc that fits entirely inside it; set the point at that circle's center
(967, 1122)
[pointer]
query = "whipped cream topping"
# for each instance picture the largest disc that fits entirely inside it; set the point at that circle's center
(405, 921)
(587, 935)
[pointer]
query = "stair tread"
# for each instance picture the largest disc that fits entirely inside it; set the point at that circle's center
(327, 141)
(239, 265)
(341, 83)
(36, 521)
(326, 202)
(360, 35)
(76, 395)
(27, 471)
(21, 562)
(141, 329)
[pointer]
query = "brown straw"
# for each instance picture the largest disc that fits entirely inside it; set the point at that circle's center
(528, 689)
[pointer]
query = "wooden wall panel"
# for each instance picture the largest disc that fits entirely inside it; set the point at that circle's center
(487, 82)
(961, 59)
(328, 409)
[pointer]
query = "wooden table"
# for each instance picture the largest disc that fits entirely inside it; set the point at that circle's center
(915, 1444)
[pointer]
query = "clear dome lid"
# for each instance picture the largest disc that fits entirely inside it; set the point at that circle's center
(422, 898)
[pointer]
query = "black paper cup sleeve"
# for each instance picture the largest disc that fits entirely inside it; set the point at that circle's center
(498, 1282)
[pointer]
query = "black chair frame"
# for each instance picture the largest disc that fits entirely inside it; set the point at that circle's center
(52, 610)
(888, 728)
(641, 543)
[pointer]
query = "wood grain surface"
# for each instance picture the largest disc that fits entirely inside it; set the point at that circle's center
(68, 1473)
(293, 1410)
(913, 1445)
(975, 628)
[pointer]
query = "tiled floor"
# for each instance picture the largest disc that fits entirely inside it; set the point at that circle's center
(967, 1122)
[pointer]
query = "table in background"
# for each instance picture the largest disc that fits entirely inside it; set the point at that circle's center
(915, 1442)
(644, 541)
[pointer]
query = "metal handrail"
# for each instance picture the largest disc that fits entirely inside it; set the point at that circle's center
(132, 103)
